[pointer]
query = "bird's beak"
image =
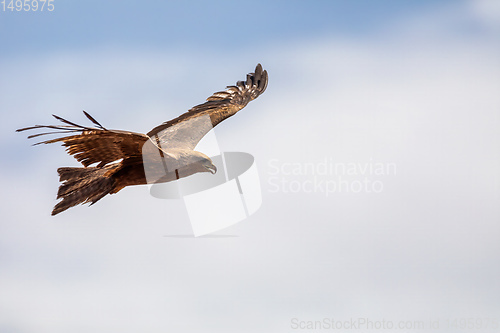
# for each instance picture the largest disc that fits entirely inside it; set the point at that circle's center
(212, 168)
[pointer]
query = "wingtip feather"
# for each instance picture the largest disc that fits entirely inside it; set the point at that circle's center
(93, 120)
(258, 72)
(263, 82)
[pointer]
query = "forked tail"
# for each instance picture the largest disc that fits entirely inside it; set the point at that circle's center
(83, 185)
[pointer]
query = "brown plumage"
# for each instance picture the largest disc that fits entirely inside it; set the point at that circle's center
(124, 158)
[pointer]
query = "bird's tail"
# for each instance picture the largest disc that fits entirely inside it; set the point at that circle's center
(83, 185)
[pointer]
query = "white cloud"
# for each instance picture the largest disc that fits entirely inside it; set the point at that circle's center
(487, 11)
(425, 247)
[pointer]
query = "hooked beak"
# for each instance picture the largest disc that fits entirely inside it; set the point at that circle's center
(212, 168)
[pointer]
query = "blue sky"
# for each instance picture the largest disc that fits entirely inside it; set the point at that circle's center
(413, 84)
(197, 25)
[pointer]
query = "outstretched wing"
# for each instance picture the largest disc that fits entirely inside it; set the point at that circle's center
(189, 128)
(94, 144)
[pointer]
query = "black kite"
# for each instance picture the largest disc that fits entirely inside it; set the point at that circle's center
(122, 156)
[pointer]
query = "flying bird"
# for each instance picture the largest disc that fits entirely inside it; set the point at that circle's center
(123, 158)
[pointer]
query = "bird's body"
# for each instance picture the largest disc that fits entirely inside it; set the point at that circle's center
(164, 154)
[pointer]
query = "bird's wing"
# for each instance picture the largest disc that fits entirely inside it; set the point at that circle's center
(94, 144)
(188, 129)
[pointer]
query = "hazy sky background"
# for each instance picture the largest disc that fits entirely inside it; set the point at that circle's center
(412, 84)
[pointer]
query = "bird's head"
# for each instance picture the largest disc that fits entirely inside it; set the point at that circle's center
(188, 162)
(200, 162)
(208, 166)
